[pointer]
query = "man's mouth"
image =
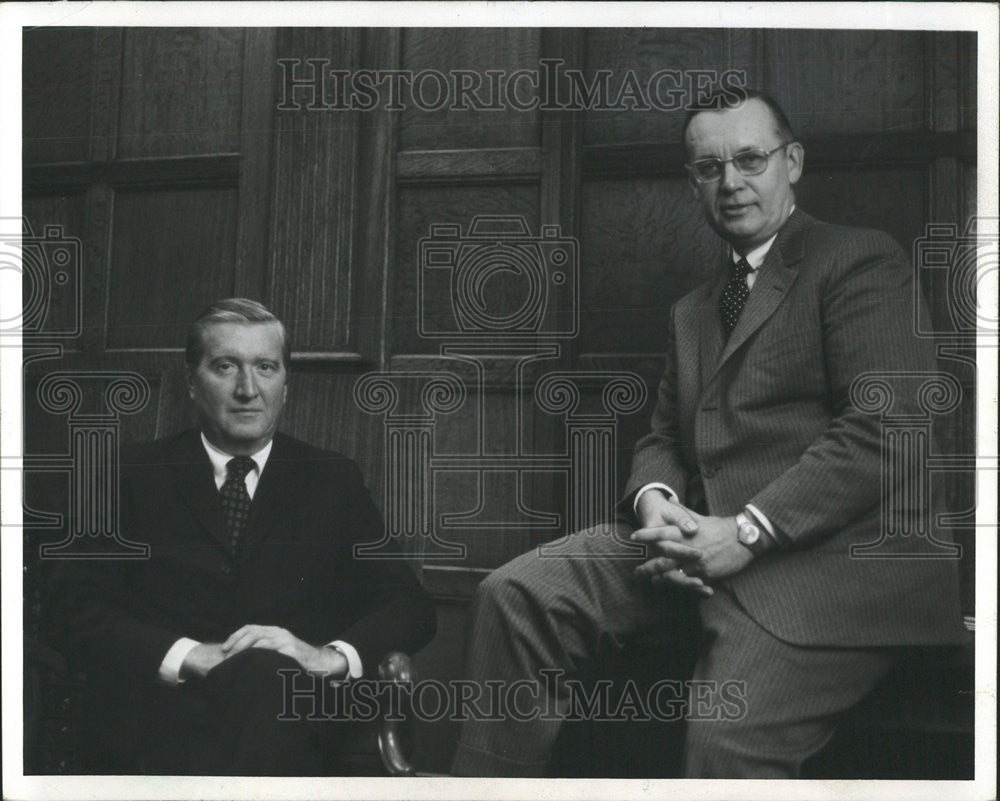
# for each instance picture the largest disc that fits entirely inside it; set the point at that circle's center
(735, 209)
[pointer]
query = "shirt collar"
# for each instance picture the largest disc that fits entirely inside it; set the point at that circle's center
(220, 458)
(756, 257)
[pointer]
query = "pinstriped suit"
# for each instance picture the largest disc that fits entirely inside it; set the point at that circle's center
(766, 419)
(763, 418)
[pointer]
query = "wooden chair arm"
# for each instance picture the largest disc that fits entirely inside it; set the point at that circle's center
(394, 736)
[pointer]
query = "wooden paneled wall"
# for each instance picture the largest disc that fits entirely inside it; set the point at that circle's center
(165, 152)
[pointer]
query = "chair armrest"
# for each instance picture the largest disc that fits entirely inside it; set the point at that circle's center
(396, 668)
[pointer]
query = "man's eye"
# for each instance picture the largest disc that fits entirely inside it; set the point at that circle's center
(267, 367)
(223, 367)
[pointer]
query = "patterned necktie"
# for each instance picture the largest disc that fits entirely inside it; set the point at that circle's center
(734, 295)
(235, 498)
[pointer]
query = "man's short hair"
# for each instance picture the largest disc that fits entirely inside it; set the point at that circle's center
(231, 310)
(734, 98)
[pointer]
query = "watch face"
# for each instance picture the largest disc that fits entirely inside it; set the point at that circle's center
(749, 534)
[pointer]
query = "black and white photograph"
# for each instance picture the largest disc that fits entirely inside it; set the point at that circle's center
(499, 400)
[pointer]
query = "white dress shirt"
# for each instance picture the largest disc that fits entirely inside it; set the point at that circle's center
(170, 667)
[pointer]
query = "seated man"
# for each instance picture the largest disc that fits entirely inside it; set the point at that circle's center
(251, 570)
(759, 476)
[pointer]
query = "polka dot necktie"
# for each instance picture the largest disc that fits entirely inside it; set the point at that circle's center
(734, 295)
(235, 498)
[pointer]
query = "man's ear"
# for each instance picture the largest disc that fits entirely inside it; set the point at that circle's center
(694, 187)
(189, 378)
(796, 159)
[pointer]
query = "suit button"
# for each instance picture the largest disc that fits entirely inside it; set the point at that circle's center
(226, 569)
(707, 472)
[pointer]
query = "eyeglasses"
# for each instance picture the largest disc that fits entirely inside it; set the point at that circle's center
(749, 162)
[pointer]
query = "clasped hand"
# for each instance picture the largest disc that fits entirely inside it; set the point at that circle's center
(686, 549)
(323, 661)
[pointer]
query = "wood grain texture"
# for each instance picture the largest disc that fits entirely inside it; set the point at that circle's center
(646, 51)
(462, 166)
(257, 101)
(181, 91)
(310, 271)
(51, 292)
(644, 245)
(419, 208)
(56, 94)
(475, 50)
(172, 253)
(849, 81)
(892, 200)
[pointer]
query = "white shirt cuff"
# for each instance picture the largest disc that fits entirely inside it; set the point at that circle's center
(170, 667)
(763, 520)
(354, 667)
(671, 495)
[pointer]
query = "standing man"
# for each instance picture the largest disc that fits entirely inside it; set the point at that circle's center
(251, 570)
(756, 479)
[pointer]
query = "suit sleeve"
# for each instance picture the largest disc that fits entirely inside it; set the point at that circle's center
(867, 319)
(89, 612)
(392, 611)
(657, 456)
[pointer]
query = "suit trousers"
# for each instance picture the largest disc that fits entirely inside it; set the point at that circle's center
(234, 722)
(771, 704)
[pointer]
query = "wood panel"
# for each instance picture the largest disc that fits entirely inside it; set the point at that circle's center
(849, 81)
(310, 272)
(419, 209)
(893, 199)
(56, 94)
(52, 280)
(473, 50)
(180, 91)
(644, 245)
(172, 253)
(698, 56)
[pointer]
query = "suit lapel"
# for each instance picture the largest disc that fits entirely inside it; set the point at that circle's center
(195, 484)
(774, 279)
(710, 326)
(275, 497)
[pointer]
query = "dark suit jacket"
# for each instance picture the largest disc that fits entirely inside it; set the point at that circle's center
(295, 570)
(766, 418)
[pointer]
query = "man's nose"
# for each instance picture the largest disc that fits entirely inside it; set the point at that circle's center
(246, 386)
(732, 179)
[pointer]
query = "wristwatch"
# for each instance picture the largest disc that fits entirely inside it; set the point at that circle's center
(750, 535)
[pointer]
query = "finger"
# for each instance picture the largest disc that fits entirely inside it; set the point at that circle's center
(236, 635)
(677, 515)
(679, 579)
(676, 550)
(655, 566)
(248, 640)
(657, 533)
